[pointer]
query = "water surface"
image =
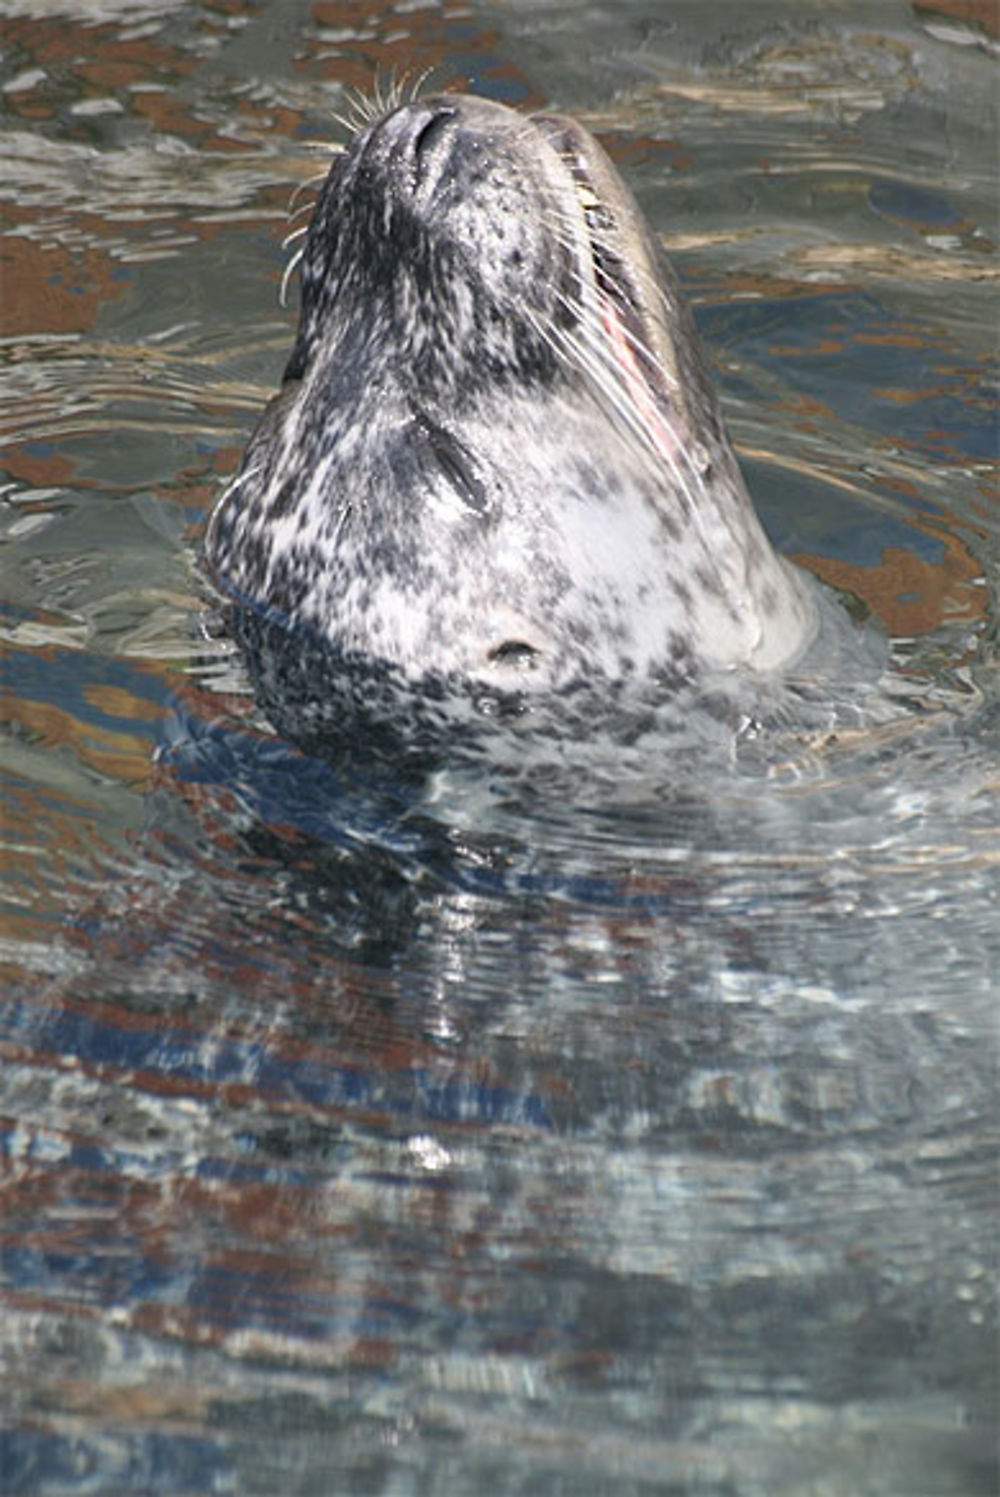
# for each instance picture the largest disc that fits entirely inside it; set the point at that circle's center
(627, 1123)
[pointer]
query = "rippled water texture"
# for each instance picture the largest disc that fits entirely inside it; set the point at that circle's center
(631, 1129)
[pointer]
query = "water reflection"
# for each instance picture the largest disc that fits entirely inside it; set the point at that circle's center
(633, 1122)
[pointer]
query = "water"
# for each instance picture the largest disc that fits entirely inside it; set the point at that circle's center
(626, 1123)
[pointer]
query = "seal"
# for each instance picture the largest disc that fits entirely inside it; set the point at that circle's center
(496, 460)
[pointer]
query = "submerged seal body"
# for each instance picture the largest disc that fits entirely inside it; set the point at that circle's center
(497, 459)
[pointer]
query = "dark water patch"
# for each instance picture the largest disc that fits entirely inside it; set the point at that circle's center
(907, 204)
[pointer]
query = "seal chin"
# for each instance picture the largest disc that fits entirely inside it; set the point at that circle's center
(497, 457)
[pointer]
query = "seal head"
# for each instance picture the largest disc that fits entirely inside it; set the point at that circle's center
(497, 459)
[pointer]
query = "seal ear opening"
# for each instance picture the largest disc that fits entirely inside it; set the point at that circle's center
(516, 653)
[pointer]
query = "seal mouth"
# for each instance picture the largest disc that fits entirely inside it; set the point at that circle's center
(626, 341)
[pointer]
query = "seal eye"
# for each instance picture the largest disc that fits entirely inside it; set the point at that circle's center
(453, 461)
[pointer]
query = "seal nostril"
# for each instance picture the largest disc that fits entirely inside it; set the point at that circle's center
(429, 135)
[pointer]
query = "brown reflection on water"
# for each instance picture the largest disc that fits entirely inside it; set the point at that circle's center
(911, 265)
(38, 470)
(912, 596)
(95, 53)
(984, 13)
(374, 43)
(58, 289)
(115, 754)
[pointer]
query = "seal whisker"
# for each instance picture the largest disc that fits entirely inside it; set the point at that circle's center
(597, 341)
(296, 233)
(687, 473)
(326, 147)
(604, 377)
(289, 271)
(293, 212)
(594, 358)
(385, 102)
(405, 87)
(244, 475)
(220, 515)
(415, 85)
(597, 359)
(377, 104)
(350, 126)
(362, 108)
(564, 228)
(362, 111)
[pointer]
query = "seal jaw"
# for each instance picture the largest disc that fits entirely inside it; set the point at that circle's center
(630, 313)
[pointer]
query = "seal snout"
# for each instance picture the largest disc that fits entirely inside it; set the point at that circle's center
(424, 143)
